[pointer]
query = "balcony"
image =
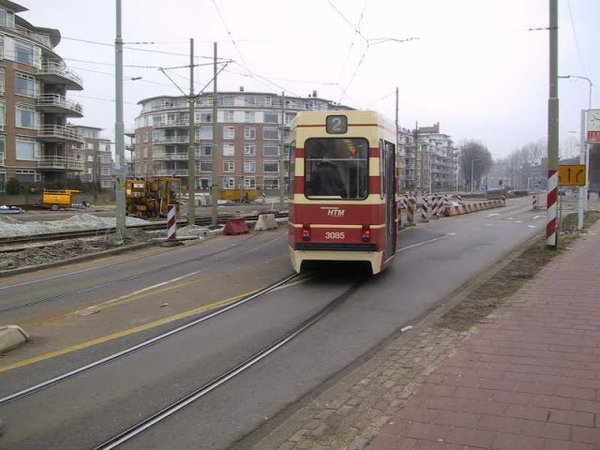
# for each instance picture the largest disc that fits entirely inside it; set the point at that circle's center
(171, 156)
(172, 140)
(40, 38)
(172, 123)
(57, 104)
(172, 173)
(58, 133)
(55, 72)
(60, 163)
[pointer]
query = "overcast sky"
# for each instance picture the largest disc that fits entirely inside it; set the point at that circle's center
(475, 68)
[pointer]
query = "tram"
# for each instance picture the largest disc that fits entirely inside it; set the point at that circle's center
(343, 189)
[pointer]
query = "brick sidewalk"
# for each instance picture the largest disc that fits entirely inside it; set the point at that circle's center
(527, 378)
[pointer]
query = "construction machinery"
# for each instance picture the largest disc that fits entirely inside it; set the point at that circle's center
(151, 197)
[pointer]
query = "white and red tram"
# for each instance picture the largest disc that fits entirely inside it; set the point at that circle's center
(343, 189)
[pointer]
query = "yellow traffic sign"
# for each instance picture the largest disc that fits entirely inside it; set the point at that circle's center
(571, 174)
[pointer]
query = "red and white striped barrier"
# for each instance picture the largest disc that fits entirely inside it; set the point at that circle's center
(535, 202)
(410, 211)
(424, 208)
(551, 240)
(172, 223)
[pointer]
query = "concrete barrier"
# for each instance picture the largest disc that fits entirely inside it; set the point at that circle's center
(235, 226)
(12, 336)
(266, 222)
(450, 211)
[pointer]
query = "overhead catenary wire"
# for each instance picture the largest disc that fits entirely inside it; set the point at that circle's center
(346, 20)
(576, 40)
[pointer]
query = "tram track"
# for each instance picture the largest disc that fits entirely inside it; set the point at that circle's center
(194, 394)
(100, 232)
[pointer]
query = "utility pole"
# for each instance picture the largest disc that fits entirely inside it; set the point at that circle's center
(417, 158)
(192, 148)
(551, 234)
(281, 156)
(119, 131)
(214, 189)
(397, 142)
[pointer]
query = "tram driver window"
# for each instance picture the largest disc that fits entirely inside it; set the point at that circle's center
(336, 168)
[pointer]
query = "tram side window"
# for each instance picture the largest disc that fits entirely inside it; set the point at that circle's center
(336, 168)
(292, 174)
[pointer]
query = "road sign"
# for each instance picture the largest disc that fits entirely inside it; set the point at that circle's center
(593, 126)
(571, 174)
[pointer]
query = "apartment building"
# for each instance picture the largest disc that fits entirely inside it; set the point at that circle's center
(96, 156)
(430, 159)
(249, 127)
(35, 142)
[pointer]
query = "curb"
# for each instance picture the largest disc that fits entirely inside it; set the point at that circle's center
(78, 259)
(11, 337)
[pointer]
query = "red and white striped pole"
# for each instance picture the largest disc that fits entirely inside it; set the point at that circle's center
(535, 202)
(424, 208)
(551, 240)
(410, 211)
(172, 223)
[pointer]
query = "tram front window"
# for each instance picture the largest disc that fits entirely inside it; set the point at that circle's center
(336, 168)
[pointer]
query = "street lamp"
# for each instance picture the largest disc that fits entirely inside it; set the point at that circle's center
(584, 154)
(472, 163)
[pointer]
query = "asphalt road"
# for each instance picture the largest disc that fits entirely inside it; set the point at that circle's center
(435, 259)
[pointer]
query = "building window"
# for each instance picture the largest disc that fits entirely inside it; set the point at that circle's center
(2, 79)
(106, 159)
(24, 53)
(203, 183)
(270, 133)
(228, 149)
(270, 150)
(2, 147)
(249, 150)
(228, 166)
(26, 85)
(249, 182)
(145, 136)
(250, 133)
(249, 117)
(271, 184)
(105, 171)
(226, 100)
(25, 175)
(26, 117)
(228, 132)
(205, 166)
(2, 180)
(26, 149)
(2, 115)
(206, 150)
(106, 184)
(90, 158)
(250, 166)
(228, 183)
(89, 146)
(271, 118)
(228, 116)
(206, 132)
(271, 166)
(107, 148)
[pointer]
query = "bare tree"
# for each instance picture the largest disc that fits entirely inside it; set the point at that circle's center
(476, 156)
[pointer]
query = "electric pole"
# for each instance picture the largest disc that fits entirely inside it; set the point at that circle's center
(119, 131)
(397, 162)
(551, 221)
(214, 189)
(192, 148)
(281, 156)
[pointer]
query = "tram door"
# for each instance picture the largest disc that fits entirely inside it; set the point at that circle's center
(389, 158)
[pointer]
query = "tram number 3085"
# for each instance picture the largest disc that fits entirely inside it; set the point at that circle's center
(335, 235)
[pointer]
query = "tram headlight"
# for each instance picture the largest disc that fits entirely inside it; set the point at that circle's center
(306, 233)
(366, 233)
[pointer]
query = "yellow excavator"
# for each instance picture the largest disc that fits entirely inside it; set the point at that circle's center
(150, 197)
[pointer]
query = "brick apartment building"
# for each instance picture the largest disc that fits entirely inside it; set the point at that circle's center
(35, 142)
(248, 130)
(98, 161)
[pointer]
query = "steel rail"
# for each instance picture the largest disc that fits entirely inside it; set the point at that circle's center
(108, 359)
(200, 392)
(201, 221)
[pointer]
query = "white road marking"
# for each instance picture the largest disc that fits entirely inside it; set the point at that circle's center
(285, 286)
(531, 226)
(510, 218)
(489, 224)
(536, 217)
(493, 214)
(518, 221)
(425, 242)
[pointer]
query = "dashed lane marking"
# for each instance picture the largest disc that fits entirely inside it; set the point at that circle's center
(493, 214)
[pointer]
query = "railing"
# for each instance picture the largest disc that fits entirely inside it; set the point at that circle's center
(59, 101)
(60, 162)
(172, 173)
(172, 140)
(53, 67)
(59, 131)
(173, 123)
(170, 156)
(41, 38)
